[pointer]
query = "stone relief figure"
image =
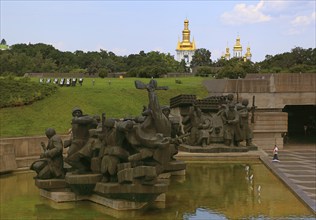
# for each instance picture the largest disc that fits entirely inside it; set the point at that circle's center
(232, 134)
(51, 164)
(201, 127)
(81, 124)
(246, 131)
(82, 158)
(115, 151)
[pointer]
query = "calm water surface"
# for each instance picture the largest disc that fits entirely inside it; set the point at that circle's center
(208, 191)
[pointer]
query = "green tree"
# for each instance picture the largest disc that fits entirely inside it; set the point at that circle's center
(3, 42)
(201, 57)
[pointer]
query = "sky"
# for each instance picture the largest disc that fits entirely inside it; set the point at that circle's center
(269, 27)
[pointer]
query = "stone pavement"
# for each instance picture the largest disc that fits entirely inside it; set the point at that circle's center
(297, 169)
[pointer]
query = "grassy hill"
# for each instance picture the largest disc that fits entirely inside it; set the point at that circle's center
(118, 99)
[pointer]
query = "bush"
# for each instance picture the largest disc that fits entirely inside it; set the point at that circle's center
(205, 71)
(17, 92)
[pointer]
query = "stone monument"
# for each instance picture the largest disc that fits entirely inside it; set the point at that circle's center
(214, 124)
(117, 163)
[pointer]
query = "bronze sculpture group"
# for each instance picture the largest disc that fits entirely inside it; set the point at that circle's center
(123, 159)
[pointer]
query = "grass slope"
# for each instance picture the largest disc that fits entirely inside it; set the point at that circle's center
(118, 100)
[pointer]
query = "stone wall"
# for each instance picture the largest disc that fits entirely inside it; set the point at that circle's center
(7, 158)
(272, 93)
(26, 150)
(269, 128)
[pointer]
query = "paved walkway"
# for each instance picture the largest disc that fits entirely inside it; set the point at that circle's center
(297, 169)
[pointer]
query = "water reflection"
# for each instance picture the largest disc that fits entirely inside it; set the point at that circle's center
(208, 191)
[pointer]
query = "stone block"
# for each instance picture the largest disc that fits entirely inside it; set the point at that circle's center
(161, 198)
(116, 188)
(51, 184)
(125, 175)
(7, 158)
(83, 178)
(59, 196)
(122, 166)
(142, 171)
(116, 203)
(175, 166)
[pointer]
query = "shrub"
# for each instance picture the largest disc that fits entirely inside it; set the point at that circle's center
(17, 92)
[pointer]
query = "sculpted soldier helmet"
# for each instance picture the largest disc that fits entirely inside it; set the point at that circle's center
(230, 96)
(76, 112)
(50, 132)
(109, 123)
(245, 102)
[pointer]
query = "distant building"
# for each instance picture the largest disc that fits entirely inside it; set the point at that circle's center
(185, 49)
(237, 52)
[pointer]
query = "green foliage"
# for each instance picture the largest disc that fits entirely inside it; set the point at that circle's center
(102, 72)
(201, 57)
(38, 58)
(152, 64)
(235, 68)
(148, 71)
(22, 92)
(298, 60)
(205, 71)
(118, 99)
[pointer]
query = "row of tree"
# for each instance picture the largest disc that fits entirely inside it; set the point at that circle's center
(39, 58)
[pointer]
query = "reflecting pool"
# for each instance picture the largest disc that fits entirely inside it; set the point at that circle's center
(218, 190)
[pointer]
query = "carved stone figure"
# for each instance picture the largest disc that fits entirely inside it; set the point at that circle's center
(51, 164)
(246, 131)
(201, 127)
(81, 124)
(232, 134)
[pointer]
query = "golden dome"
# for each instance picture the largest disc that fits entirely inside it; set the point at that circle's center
(186, 44)
(237, 45)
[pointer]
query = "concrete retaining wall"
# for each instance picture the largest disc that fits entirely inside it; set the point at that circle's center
(7, 158)
(25, 149)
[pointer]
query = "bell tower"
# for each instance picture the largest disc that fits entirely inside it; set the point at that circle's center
(185, 49)
(237, 48)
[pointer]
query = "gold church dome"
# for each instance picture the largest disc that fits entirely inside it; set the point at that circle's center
(186, 44)
(237, 45)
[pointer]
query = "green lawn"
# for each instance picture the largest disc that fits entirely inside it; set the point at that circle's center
(118, 100)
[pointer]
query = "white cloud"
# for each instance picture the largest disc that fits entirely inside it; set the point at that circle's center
(304, 20)
(246, 14)
(300, 24)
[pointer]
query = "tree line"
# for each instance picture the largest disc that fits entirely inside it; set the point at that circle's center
(40, 58)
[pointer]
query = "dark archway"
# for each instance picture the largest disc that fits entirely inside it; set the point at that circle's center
(301, 122)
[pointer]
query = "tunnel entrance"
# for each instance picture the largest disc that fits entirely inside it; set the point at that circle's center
(301, 122)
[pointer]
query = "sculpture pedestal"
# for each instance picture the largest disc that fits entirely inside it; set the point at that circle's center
(215, 148)
(113, 195)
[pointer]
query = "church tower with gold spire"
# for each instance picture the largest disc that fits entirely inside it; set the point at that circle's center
(185, 49)
(248, 54)
(237, 52)
(237, 48)
(227, 54)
